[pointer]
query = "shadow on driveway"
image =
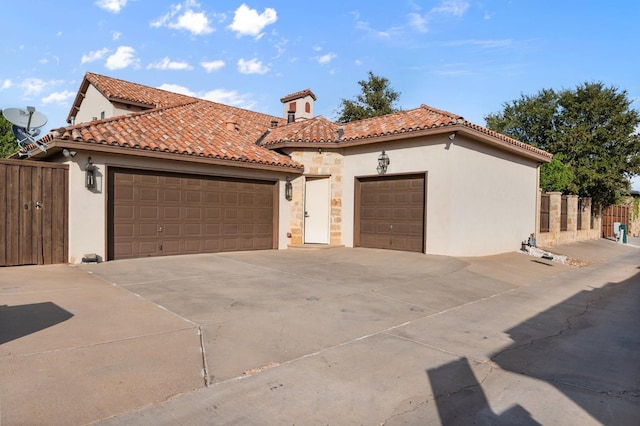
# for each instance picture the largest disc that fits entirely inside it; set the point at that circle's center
(586, 347)
(22, 320)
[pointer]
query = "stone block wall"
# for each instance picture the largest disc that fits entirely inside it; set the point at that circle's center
(318, 163)
(555, 235)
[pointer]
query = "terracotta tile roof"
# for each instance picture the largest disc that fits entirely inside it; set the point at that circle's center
(317, 130)
(126, 92)
(298, 95)
(320, 130)
(198, 128)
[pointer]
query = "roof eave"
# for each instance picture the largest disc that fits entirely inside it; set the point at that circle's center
(57, 145)
(410, 134)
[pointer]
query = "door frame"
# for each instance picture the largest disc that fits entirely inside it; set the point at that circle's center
(109, 205)
(357, 191)
(328, 207)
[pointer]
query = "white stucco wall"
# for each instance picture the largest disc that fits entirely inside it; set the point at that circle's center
(477, 202)
(92, 105)
(88, 209)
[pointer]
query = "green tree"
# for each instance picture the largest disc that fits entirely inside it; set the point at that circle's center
(8, 143)
(377, 98)
(592, 127)
(556, 176)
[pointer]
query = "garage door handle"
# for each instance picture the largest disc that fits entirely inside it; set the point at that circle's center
(160, 229)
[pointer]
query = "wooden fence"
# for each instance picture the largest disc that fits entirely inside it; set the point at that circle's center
(34, 205)
(611, 215)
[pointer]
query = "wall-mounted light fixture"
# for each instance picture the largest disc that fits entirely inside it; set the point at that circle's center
(288, 189)
(452, 136)
(383, 163)
(90, 175)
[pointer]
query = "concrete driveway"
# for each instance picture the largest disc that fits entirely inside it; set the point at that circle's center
(335, 336)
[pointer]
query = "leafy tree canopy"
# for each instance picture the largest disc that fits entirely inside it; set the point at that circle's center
(8, 143)
(377, 98)
(592, 131)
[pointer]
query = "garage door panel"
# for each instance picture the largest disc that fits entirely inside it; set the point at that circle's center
(170, 213)
(391, 212)
(148, 212)
(212, 198)
(145, 230)
(193, 246)
(192, 229)
(170, 230)
(193, 213)
(192, 197)
(196, 214)
(171, 195)
(124, 193)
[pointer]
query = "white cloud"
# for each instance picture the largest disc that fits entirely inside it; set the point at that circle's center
(6, 84)
(124, 57)
(418, 22)
(227, 97)
(113, 6)
(212, 65)
(384, 34)
(249, 22)
(175, 88)
(167, 64)
(94, 55)
(252, 66)
(452, 7)
(44, 61)
(32, 86)
(185, 17)
(115, 35)
(58, 97)
(325, 59)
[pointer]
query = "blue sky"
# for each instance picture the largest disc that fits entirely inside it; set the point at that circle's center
(464, 56)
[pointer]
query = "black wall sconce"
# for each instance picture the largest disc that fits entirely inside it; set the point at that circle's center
(90, 175)
(383, 163)
(288, 189)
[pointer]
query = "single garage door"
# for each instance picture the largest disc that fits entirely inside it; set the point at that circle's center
(390, 212)
(159, 214)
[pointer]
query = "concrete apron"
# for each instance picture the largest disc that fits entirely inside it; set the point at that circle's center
(332, 336)
(75, 349)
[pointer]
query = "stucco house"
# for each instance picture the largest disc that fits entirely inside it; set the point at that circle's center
(158, 173)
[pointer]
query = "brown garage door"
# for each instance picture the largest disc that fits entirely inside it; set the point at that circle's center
(390, 212)
(158, 214)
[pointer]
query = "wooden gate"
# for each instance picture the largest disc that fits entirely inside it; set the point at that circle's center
(613, 214)
(34, 204)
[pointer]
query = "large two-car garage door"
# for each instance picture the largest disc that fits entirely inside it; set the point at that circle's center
(390, 212)
(157, 214)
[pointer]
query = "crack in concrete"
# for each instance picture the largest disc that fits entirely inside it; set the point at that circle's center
(569, 326)
(435, 398)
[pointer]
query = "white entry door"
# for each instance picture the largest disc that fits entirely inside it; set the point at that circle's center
(316, 211)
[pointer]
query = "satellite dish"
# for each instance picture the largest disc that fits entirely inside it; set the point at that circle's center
(27, 118)
(25, 128)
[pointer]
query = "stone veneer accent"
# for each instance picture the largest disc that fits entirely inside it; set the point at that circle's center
(320, 163)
